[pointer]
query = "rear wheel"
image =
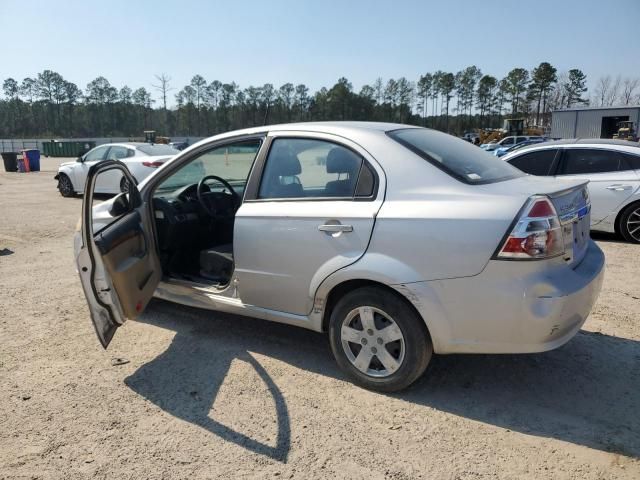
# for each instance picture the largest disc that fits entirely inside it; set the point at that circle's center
(65, 187)
(379, 340)
(124, 185)
(629, 225)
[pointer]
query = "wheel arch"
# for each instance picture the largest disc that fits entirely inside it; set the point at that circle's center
(616, 223)
(339, 290)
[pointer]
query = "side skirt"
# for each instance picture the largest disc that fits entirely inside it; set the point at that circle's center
(209, 298)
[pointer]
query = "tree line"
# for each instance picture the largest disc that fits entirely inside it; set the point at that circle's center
(48, 105)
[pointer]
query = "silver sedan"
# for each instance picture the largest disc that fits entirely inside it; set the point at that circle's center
(397, 241)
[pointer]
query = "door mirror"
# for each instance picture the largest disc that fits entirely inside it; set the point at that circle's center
(80, 159)
(120, 205)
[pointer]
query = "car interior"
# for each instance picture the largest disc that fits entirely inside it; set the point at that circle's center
(195, 207)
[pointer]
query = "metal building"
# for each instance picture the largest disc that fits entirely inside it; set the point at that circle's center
(591, 122)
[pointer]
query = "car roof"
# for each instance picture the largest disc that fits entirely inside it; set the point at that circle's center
(123, 144)
(338, 128)
(593, 141)
(624, 145)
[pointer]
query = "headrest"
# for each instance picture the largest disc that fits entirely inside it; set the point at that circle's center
(341, 160)
(285, 163)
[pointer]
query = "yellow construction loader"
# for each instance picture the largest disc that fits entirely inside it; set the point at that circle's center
(626, 131)
(511, 126)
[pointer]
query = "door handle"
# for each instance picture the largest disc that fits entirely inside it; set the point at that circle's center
(619, 188)
(335, 228)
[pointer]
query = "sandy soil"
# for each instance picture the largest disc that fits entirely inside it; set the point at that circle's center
(192, 394)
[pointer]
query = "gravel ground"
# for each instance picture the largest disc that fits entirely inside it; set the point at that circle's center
(186, 393)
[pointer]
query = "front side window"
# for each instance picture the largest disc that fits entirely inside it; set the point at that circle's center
(535, 163)
(231, 162)
(305, 168)
(96, 154)
(458, 158)
(582, 161)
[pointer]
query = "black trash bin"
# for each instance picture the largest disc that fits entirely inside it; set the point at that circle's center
(10, 160)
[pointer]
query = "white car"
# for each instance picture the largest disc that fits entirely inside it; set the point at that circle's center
(509, 142)
(612, 168)
(397, 241)
(140, 158)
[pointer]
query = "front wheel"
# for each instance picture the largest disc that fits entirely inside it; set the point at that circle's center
(65, 187)
(124, 185)
(630, 223)
(379, 340)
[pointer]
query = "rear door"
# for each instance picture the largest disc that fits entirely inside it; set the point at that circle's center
(611, 179)
(309, 210)
(117, 261)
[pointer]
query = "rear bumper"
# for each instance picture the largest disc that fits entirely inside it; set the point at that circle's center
(511, 307)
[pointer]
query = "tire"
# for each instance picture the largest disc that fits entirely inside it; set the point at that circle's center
(65, 187)
(406, 344)
(124, 185)
(629, 226)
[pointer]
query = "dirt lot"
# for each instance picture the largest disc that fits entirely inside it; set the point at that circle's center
(193, 394)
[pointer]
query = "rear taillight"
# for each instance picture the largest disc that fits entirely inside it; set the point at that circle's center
(152, 164)
(537, 233)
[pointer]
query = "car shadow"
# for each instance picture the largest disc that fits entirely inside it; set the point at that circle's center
(607, 237)
(586, 393)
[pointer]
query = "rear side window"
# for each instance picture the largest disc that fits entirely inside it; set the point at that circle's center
(582, 160)
(456, 157)
(632, 161)
(158, 149)
(307, 168)
(535, 163)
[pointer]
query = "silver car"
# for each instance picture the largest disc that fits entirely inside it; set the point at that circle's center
(612, 168)
(397, 241)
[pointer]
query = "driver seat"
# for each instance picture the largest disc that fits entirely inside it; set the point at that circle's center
(216, 263)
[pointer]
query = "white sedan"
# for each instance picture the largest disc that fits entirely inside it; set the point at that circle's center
(612, 168)
(140, 158)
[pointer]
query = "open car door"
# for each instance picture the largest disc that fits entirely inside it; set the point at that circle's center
(117, 260)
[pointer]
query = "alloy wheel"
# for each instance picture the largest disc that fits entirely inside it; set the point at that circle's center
(372, 341)
(124, 185)
(633, 224)
(65, 186)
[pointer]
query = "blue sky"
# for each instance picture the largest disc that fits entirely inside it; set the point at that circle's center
(277, 41)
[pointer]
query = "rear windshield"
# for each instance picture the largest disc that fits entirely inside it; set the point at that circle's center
(156, 149)
(462, 160)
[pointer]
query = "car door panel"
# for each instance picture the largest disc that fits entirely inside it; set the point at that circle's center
(284, 248)
(282, 252)
(118, 265)
(608, 190)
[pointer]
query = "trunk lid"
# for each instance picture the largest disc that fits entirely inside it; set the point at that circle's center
(570, 198)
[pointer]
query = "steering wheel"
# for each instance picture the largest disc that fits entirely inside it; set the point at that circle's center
(209, 199)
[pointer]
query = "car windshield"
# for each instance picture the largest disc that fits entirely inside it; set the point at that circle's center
(458, 158)
(158, 149)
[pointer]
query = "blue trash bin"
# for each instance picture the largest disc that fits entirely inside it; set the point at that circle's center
(32, 159)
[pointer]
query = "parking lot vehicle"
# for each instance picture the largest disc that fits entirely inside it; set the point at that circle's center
(509, 142)
(612, 168)
(140, 158)
(499, 152)
(397, 241)
(180, 145)
(626, 131)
